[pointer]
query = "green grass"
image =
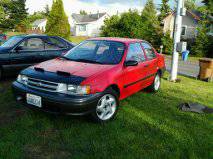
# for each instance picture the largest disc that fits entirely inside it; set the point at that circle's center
(77, 39)
(147, 126)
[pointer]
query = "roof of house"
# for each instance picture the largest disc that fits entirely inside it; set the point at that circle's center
(39, 21)
(87, 18)
(193, 13)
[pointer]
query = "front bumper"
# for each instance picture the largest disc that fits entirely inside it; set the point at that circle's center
(57, 103)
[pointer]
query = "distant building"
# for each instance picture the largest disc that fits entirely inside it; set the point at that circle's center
(87, 25)
(39, 24)
(189, 24)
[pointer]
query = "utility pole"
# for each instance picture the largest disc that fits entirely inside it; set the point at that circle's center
(177, 35)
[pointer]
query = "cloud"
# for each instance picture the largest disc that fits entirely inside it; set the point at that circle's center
(93, 6)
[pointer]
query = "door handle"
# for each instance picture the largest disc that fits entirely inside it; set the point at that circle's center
(146, 65)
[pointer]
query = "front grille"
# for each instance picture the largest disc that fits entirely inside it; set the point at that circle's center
(42, 85)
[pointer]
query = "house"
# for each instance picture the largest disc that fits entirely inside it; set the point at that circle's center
(87, 25)
(39, 24)
(189, 24)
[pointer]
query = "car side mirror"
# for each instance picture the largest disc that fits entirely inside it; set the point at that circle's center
(131, 63)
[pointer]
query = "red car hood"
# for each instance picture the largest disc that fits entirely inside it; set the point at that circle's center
(72, 67)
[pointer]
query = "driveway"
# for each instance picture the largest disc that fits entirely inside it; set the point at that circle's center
(187, 68)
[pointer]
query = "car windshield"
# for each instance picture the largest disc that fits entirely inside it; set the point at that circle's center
(12, 41)
(97, 51)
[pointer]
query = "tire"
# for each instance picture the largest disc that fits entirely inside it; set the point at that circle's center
(106, 112)
(156, 83)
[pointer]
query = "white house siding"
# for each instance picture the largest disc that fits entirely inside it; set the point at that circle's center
(187, 21)
(93, 29)
(41, 26)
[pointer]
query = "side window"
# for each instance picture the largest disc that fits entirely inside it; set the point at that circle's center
(149, 51)
(32, 44)
(54, 44)
(135, 52)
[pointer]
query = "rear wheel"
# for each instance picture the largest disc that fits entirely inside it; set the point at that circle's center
(107, 107)
(156, 84)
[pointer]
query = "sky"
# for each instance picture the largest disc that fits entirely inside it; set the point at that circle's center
(92, 6)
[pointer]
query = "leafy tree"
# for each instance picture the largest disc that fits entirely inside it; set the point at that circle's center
(133, 25)
(190, 4)
(167, 43)
(15, 12)
(209, 6)
(203, 43)
(83, 12)
(111, 27)
(164, 10)
(57, 21)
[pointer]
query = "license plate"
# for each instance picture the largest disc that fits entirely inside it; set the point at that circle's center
(34, 100)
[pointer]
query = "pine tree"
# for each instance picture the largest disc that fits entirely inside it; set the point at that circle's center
(151, 30)
(164, 10)
(57, 21)
(16, 12)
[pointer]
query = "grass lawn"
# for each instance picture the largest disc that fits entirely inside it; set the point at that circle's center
(147, 126)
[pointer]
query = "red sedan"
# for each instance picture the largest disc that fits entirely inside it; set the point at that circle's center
(91, 78)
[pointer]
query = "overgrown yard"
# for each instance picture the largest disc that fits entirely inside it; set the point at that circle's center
(147, 126)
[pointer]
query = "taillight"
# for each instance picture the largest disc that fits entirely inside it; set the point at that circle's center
(5, 37)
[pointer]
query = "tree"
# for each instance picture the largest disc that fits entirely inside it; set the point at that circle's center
(47, 10)
(83, 12)
(190, 4)
(15, 12)
(151, 30)
(164, 10)
(209, 6)
(111, 27)
(57, 21)
(167, 43)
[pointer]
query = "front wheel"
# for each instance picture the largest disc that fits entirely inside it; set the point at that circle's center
(107, 107)
(156, 84)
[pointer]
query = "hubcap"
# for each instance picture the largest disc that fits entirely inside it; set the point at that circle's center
(157, 82)
(106, 107)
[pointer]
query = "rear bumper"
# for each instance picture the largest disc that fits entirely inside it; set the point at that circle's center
(57, 103)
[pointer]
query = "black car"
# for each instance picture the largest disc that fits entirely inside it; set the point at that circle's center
(21, 51)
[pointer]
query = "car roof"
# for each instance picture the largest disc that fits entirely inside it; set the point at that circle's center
(32, 35)
(123, 40)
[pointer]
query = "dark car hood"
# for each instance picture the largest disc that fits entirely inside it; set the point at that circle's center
(4, 49)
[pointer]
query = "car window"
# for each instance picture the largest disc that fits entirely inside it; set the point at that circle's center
(32, 44)
(11, 42)
(135, 53)
(149, 51)
(97, 51)
(54, 44)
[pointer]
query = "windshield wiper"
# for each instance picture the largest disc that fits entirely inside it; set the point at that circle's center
(88, 61)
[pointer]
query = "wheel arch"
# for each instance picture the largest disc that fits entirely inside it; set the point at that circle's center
(115, 88)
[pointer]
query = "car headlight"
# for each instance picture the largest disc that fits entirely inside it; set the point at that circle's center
(78, 90)
(22, 79)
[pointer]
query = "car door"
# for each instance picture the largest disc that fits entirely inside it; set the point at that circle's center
(54, 47)
(135, 76)
(27, 53)
(151, 61)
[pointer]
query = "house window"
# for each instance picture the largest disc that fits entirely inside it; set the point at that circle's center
(82, 27)
(183, 31)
